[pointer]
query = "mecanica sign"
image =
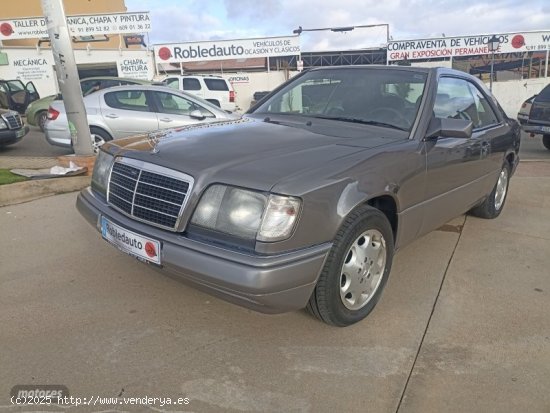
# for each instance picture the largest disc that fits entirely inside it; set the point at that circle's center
(227, 49)
(467, 45)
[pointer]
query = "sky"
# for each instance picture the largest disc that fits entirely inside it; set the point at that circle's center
(196, 20)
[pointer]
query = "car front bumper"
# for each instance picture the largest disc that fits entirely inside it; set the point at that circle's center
(11, 136)
(268, 284)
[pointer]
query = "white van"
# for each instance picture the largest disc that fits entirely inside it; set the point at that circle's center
(214, 89)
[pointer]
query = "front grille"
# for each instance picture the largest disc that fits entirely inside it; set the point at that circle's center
(148, 192)
(14, 121)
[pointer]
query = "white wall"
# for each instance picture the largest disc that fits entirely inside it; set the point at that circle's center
(513, 93)
(246, 84)
(37, 65)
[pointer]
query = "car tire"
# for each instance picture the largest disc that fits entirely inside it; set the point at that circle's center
(99, 137)
(492, 206)
(359, 262)
(40, 119)
(546, 141)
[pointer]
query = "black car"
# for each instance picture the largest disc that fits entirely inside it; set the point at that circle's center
(539, 117)
(12, 128)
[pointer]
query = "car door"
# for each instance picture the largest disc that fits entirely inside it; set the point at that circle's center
(175, 110)
(33, 93)
(128, 112)
(4, 96)
(456, 168)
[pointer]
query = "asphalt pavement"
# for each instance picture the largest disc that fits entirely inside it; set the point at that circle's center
(34, 144)
(462, 326)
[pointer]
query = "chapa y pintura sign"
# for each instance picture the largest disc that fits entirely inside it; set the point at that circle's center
(82, 25)
(227, 49)
(467, 45)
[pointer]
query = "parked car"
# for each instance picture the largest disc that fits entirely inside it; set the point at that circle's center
(12, 128)
(37, 111)
(304, 201)
(538, 122)
(523, 114)
(122, 111)
(16, 95)
(214, 89)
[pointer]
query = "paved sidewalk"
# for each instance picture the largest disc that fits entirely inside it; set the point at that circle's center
(27, 162)
(462, 326)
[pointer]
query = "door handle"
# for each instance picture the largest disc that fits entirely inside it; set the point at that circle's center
(165, 119)
(111, 116)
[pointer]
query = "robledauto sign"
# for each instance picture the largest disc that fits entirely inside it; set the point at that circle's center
(227, 49)
(82, 25)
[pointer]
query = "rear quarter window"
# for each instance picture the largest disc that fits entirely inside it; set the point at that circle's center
(191, 84)
(544, 94)
(216, 84)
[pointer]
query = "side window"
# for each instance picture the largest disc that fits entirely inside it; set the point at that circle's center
(191, 84)
(87, 85)
(177, 105)
(216, 84)
(485, 112)
(173, 82)
(454, 100)
(127, 100)
(109, 83)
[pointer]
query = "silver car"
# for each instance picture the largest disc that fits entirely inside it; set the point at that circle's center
(123, 111)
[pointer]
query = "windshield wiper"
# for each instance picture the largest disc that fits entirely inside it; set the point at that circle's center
(362, 121)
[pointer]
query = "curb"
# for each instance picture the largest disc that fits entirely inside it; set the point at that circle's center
(26, 191)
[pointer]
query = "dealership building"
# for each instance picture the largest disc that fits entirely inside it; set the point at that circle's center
(106, 39)
(110, 41)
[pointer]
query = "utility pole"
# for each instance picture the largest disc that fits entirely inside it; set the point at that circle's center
(67, 76)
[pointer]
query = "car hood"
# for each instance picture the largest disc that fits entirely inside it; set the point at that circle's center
(253, 152)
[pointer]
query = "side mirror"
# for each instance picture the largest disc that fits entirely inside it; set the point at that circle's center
(449, 128)
(196, 114)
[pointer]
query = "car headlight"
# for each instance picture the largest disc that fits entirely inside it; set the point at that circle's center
(247, 214)
(102, 167)
(3, 124)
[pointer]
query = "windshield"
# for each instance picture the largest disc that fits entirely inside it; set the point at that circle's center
(383, 97)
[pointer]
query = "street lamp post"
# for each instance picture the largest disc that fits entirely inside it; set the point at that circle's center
(493, 45)
(299, 30)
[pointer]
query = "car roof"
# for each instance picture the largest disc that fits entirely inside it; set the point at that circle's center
(126, 79)
(372, 67)
(157, 88)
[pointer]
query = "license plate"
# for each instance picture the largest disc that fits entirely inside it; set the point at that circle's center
(20, 133)
(131, 243)
(545, 128)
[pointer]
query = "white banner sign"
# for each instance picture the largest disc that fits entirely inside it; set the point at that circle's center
(227, 49)
(134, 68)
(467, 45)
(33, 68)
(84, 25)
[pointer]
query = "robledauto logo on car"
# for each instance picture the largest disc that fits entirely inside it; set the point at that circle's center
(130, 242)
(122, 237)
